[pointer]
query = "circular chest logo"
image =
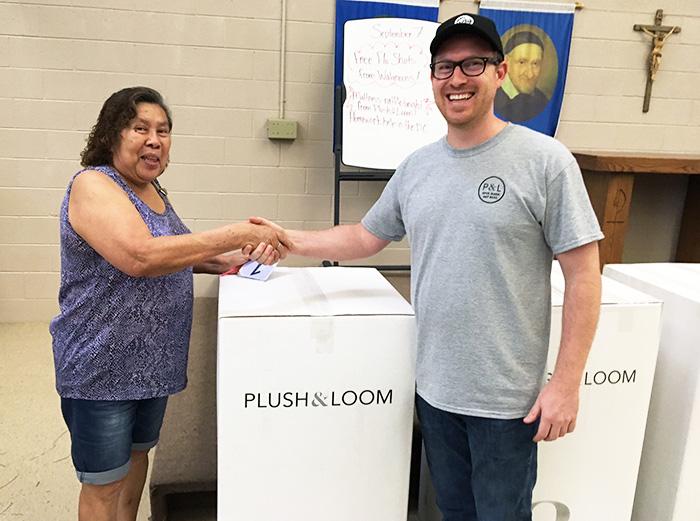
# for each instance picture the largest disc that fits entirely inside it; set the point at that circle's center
(492, 189)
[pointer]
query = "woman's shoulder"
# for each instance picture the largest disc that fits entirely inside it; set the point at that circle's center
(95, 182)
(99, 171)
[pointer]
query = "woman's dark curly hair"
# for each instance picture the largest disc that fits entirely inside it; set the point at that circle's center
(115, 115)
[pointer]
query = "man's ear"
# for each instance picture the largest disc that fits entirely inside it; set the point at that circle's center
(502, 70)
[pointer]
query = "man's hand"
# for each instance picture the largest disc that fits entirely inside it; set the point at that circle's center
(261, 230)
(284, 245)
(557, 408)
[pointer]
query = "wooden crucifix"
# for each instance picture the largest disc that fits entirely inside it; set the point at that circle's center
(659, 34)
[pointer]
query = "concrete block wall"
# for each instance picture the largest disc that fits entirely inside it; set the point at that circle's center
(217, 63)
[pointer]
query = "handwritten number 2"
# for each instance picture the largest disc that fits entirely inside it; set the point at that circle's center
(256, 270)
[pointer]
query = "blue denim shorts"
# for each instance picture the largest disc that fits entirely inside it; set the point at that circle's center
(103, 434)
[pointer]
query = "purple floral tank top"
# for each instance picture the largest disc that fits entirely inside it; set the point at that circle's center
(119, 337)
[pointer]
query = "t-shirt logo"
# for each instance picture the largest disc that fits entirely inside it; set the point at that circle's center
(464, 19)
(492, 189)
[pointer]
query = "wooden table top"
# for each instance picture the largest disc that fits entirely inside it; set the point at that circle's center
(686, 164)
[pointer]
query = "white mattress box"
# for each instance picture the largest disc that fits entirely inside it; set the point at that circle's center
(315, 397)
(669, 475)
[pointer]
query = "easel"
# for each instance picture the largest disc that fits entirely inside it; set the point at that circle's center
(352, 175)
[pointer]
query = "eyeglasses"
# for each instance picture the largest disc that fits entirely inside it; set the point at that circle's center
(474, 66)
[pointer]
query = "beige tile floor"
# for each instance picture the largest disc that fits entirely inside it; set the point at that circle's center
(37, 480)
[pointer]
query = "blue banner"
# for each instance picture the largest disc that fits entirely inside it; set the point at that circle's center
(536, 40)
(358, 9)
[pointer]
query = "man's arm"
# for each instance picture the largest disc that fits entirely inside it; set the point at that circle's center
(557, 403)
(343, 242)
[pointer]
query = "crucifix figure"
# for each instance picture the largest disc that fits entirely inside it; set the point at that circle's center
(659, 34)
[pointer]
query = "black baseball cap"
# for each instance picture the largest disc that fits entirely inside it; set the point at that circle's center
(467, 23)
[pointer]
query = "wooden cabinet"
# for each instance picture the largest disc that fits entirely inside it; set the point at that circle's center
(610, 183)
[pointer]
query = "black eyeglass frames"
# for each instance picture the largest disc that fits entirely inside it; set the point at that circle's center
(474, 66)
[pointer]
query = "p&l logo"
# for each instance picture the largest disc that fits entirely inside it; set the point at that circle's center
(492, 189)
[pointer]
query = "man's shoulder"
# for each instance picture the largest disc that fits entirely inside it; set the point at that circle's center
(436, 147)
(430, 152)
(530, 149)
(533, 142)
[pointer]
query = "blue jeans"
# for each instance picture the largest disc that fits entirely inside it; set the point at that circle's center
(483, 469)
(103, 434)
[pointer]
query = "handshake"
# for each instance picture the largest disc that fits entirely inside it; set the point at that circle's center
(265, 242)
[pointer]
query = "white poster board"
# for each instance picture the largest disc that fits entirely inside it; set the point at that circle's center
(389, 109)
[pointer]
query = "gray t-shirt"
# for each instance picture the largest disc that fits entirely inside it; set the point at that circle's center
(484, 224)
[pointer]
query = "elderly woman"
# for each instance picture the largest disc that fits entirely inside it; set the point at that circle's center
(121, 339)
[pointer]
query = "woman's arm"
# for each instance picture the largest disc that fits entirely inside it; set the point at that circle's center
(102, 214)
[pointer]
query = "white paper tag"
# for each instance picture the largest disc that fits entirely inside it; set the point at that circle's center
(255, 270)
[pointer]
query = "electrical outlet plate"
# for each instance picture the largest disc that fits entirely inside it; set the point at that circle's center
(281, 129)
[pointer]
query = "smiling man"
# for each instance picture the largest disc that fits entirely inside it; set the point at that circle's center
(519, 99)
(485, 209)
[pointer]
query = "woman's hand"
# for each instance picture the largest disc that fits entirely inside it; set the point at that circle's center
(231, 261)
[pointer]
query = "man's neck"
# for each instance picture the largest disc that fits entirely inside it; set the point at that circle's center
(469, 137)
